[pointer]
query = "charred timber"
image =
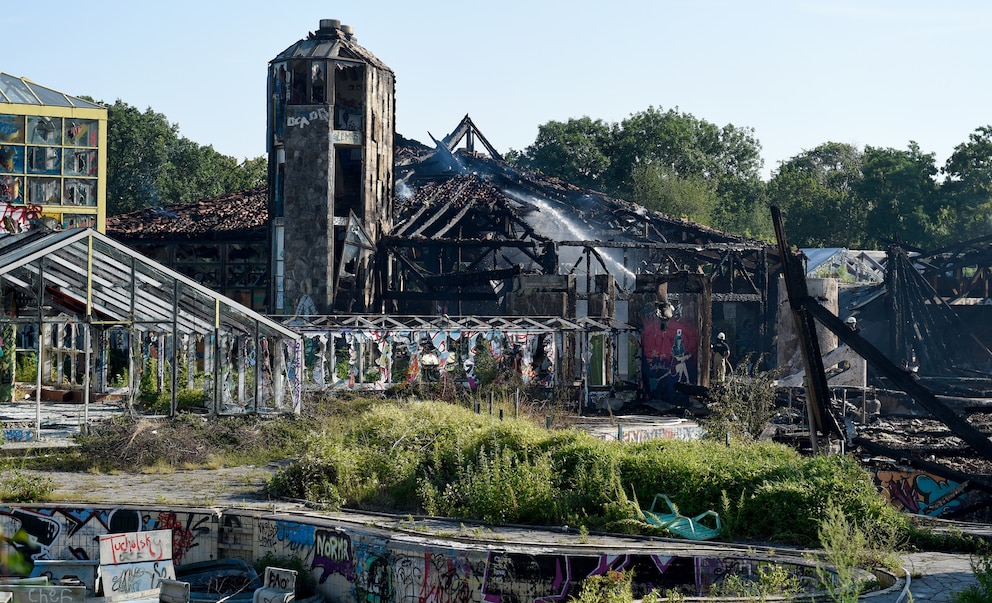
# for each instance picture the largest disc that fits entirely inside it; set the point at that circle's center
(695, 247)
(901, 378)
(487, 243)
(817, 389)
(471, 278)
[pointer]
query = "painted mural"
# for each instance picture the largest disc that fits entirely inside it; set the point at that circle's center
(37, 533)
(670, 350)
(920, 492)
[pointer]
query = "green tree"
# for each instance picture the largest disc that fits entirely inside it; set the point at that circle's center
(816, 191)
(665, 160)
(149, 164)
(195, 172)
(902, 198)
(575, 151)
(968, 186)
(137, 153)
(655, 188)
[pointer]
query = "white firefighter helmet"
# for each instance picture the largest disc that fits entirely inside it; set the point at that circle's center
(721, 336)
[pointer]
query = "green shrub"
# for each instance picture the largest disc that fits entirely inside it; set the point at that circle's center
(22, 487)
(438, 458)
(27, 368)
(612, 587)
(313, 478)
(845, 550)
(771, 579)
(742, 405)
(502, 486)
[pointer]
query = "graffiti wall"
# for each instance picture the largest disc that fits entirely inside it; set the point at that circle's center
(670, 350)
(920, 492)
(350, 562)
(73, 533)
(360, 562)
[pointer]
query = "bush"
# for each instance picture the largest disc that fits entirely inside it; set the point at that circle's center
(20, 487)
(436, 458)
(742, 406)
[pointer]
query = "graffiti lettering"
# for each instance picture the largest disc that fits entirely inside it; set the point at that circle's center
(129, 580)
(136, 546)
(333, 553)
(305, 120)
(267, 534)
(49, 594)
(298, 536)
(17, 218)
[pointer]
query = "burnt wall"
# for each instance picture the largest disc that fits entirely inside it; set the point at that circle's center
(308, 209)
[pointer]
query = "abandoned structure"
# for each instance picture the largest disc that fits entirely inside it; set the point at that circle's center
(455, 237)
(84, 315)
(53, 158)
(330, 135)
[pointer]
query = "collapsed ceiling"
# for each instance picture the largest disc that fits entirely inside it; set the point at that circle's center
(466, 221)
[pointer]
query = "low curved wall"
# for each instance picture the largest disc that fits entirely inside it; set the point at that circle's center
(379, 559)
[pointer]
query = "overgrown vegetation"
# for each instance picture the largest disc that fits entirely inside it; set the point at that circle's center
(742, 405)
(441, 459)
(415, 457)
(849, 545)
(17, 486)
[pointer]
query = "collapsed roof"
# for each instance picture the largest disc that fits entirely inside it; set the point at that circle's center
(233, 215)
(469, 219)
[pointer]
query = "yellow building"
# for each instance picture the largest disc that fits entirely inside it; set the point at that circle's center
(53, 158)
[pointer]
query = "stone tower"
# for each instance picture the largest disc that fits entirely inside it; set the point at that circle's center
(331, 122)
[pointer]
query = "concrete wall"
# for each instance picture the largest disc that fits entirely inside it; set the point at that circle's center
(789, 357)
(350, 559)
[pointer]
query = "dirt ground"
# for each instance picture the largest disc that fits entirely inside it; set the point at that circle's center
(225, 487)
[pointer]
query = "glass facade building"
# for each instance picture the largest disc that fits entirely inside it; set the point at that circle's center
(53, 156)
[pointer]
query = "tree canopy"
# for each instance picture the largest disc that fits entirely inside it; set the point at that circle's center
(834, 195)
(668, 161)
(149, 164)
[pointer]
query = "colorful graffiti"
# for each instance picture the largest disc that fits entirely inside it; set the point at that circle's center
(919, 492)
(669, 353)
(368, 567)
(74, 533)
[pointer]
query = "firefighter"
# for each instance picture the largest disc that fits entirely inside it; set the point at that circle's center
(721, 357)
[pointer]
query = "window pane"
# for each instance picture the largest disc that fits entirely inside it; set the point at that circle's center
(79, 192)
(78, 221)
(12, 159)
(11, 189)
(44, 191)
(80, 163)
(11, 128)
(81, 132)
(44, 160)
(45, 130)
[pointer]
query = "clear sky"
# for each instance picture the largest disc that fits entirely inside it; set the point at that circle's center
(879, 73)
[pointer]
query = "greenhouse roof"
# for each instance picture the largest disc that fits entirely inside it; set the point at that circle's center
(85, 273)
(19, 90)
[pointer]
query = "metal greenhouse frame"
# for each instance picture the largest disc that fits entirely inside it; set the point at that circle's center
(97, 314)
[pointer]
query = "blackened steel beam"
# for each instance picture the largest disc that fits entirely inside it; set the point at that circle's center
(822, 419)
(902, 379)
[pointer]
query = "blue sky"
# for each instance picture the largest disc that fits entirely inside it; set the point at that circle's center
(798, 73)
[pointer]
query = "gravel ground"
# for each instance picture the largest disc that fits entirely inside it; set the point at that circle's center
(231, 486)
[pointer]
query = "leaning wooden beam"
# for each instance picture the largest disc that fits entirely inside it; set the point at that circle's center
(817, 388)
(901, 379)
